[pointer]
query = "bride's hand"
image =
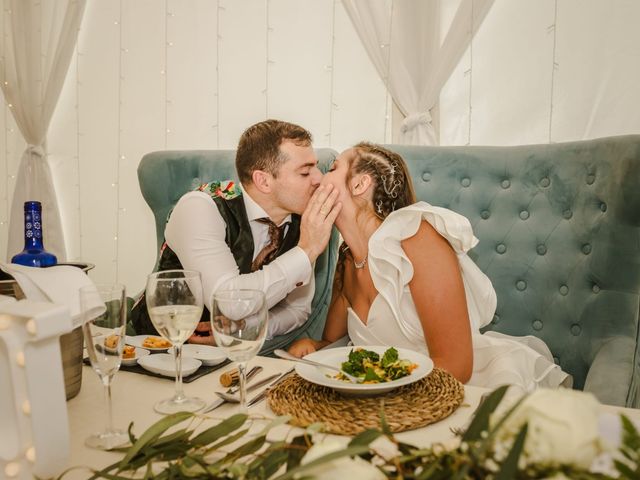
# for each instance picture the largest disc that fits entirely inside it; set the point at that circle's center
(303, 347)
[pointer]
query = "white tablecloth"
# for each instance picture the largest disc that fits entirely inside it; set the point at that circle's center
(134, 395)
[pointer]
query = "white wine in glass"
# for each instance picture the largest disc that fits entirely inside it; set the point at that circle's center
(175, 304)
(104, 319)
(239, 325)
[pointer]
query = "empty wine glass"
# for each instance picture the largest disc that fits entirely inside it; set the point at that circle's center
(104, 319)
(174, 300)
(239, 325)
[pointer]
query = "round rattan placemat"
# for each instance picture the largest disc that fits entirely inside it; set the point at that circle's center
(413, 406)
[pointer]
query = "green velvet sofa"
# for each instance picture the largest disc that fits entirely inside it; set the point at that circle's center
(166, 175)
(559, 230)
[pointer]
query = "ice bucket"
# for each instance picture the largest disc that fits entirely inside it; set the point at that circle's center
(71, 344)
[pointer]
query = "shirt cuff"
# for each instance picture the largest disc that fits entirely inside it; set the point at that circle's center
(297, 265)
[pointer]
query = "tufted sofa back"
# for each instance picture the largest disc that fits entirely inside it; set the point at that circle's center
(165, 176)
(559, 230)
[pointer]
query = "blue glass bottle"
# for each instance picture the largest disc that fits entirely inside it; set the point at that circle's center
(34, 254)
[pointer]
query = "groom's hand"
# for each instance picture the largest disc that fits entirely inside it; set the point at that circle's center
(317, 220)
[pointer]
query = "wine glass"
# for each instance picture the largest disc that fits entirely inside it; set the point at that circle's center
(174, 300)
(239, 325)
(104, 319)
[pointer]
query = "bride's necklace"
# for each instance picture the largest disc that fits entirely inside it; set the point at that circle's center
(360, 264)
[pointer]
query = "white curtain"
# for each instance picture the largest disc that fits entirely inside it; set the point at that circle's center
(38, 42)
(403, 40)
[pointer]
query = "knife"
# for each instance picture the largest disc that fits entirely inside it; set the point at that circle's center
(219, 401)
(261, 396)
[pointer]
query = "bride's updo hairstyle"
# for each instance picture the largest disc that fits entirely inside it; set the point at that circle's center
(393, 188)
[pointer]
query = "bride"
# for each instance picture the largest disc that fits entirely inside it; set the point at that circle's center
(404, 279)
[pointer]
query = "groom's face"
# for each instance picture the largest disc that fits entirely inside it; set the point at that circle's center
(297, 178)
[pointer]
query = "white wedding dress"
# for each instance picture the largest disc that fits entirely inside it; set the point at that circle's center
(498, 359)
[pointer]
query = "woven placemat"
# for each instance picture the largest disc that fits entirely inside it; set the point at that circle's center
(413, 406)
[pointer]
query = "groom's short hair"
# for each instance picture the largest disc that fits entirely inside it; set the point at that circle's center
(259, 147)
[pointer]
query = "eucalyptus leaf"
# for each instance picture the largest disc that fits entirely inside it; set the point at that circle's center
(220, 430)
(152, 433)
(299, 446)
(366, 437)
(276, 422)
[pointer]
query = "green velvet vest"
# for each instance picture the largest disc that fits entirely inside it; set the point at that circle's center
(240, 241)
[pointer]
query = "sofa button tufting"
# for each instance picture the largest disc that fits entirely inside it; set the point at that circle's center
(426, 176)
(524, 214)
(501, 248)
(564, 290)
(485, 214)
(496, 318)
(556, 360)
(590, 179)
(541, 249)
(505, 183)
(595, 288)
(537, 324)
(576, 329)
(545, 182)
(603, 207)
(521, 285)
(567, 214)
(586, 248)
(465, 182)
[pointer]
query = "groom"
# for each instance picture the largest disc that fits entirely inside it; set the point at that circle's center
(266, 236)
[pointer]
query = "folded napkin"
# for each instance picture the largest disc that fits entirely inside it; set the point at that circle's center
(59, 284)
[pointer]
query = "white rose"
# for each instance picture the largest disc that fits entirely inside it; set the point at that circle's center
(563, 426)
(355, 467)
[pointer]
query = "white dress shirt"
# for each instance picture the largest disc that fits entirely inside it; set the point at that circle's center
(196, 233)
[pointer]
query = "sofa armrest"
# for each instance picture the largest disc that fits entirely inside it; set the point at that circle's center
(612, 376)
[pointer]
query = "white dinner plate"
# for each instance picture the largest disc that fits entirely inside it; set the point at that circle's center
(335, 356)
(164, 364)
(207, 354)
(140, 352)
(137, 341)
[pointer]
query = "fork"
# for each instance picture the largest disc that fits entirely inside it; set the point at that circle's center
(235, 386)
(288, 356)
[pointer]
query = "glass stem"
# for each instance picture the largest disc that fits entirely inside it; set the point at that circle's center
(178, 356)
(106, 381)
(242, 374)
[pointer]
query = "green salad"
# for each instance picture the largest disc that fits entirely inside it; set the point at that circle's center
(373, 368)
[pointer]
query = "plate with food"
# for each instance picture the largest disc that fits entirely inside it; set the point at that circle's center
(152, 343)
(207, 354)
(164, 364)
(380, 368)
(131, 354)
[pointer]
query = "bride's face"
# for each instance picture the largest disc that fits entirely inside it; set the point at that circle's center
(338, 173)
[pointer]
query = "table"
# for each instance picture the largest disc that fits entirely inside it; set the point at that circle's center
(134, 395)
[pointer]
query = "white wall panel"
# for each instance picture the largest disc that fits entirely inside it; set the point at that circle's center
(360, 110)
(597, 83)
(299, 64)
(98, 104)
(143, 128)
(192, 103)
(242, 67)
(512, 59)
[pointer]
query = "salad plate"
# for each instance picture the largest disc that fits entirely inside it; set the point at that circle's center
(336, 356)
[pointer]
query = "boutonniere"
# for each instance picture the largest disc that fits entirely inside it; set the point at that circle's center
(226, 189)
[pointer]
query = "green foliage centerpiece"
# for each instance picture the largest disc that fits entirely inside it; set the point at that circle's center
(505, 440)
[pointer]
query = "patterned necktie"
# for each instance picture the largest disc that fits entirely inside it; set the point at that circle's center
(268, 253)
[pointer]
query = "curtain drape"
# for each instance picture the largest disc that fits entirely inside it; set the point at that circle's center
(403, 40)
(38, 42)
